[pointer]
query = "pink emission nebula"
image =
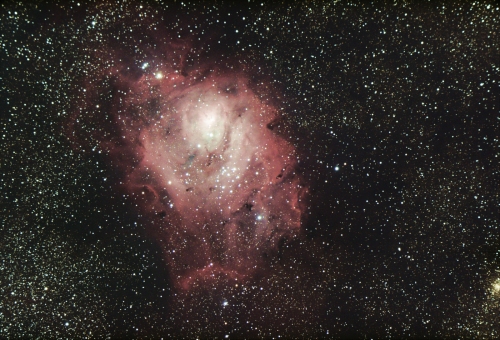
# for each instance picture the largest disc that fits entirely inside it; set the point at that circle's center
(195, 149)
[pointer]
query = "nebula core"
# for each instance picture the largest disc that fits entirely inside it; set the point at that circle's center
(195, 149)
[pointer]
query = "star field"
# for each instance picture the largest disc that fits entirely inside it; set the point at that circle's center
(389, 117)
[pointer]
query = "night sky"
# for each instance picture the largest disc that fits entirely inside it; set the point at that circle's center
(260, 170)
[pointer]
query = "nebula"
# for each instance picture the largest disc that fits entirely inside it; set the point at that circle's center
(195, 149)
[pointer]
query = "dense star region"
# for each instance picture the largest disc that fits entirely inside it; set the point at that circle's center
(187, 169)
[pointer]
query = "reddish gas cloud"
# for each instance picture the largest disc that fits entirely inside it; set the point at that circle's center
(194, 148)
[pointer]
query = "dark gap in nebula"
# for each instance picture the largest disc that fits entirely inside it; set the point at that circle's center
(248, 206)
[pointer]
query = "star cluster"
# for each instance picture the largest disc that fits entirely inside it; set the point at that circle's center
(393, 110)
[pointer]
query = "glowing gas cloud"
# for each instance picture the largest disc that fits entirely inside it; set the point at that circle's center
(194, 148)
